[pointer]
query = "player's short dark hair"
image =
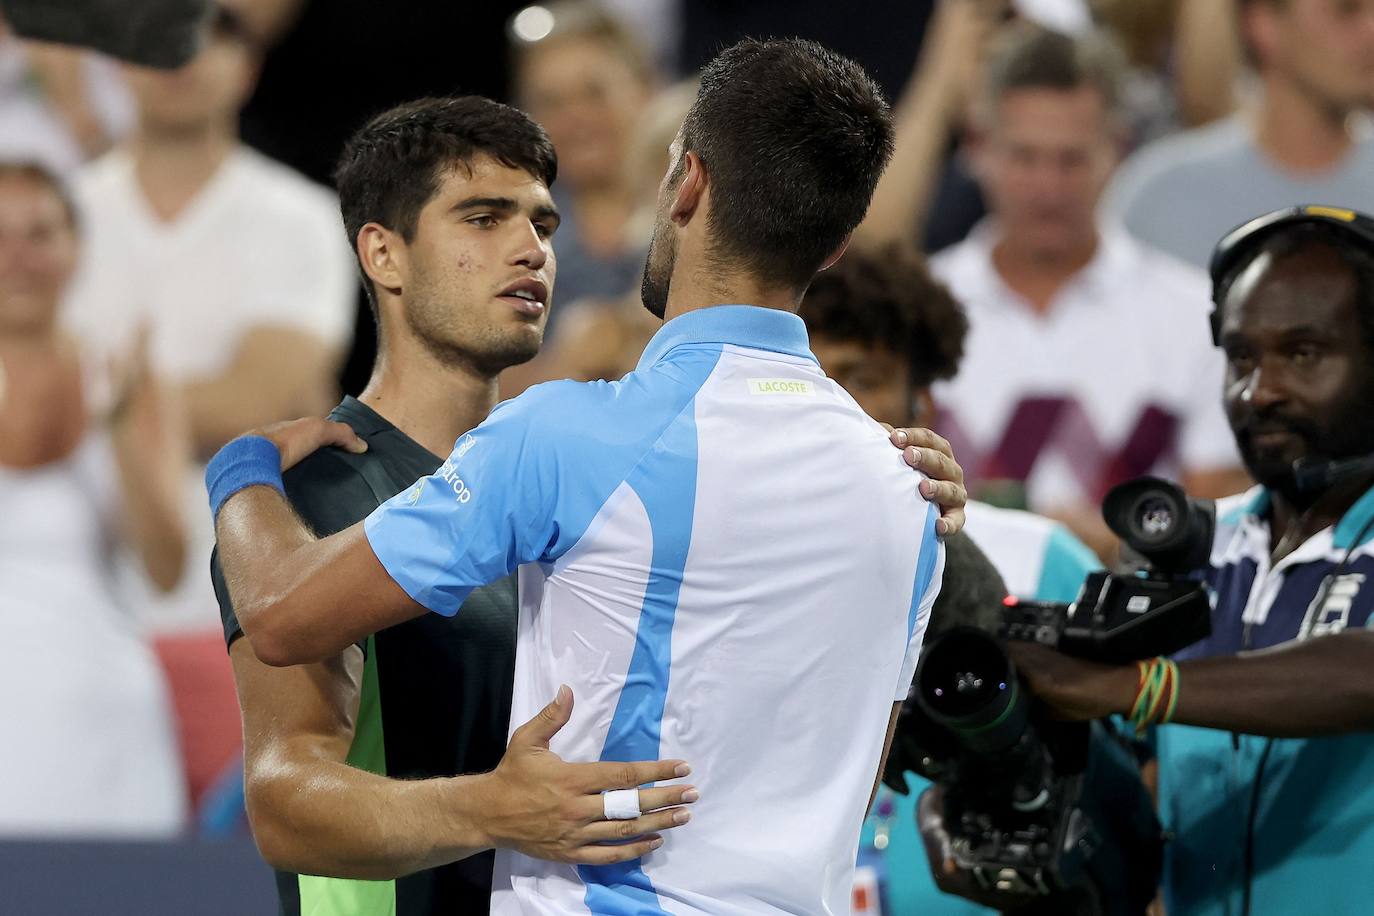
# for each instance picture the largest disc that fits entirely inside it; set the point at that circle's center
(887, 298)
(1292, 239)
(393, 165)
(793, 138)
(41, 174)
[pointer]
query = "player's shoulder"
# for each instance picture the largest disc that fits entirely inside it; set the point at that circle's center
(329, 490)
(610, 411)
(556, 405)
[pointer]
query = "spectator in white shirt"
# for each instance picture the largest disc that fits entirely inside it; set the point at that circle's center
(90, 748)
(1082, 367)
(239, 265)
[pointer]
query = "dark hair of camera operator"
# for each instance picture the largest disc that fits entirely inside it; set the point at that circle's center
(1284, 823)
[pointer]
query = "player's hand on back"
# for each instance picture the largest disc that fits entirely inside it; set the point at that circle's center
(932, 454)
(539, 805)
(296, 439)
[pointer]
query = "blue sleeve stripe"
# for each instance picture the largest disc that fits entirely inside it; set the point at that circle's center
(666, 484)
(925, 568)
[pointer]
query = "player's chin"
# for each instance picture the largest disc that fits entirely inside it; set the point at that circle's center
(521, 344)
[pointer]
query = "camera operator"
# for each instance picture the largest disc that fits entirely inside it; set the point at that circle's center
(1266, 779)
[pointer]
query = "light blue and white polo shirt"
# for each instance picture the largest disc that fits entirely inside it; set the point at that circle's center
(728, 562)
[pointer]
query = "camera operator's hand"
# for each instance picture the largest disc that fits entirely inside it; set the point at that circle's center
(949, 877)
(1071, 687)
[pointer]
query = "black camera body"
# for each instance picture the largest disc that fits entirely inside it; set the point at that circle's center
(1117, 618)
(1154, 608)
(1054, 813)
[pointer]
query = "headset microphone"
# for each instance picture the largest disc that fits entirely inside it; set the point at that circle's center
(1311, 474)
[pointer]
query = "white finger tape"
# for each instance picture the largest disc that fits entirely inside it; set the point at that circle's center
(621, 805)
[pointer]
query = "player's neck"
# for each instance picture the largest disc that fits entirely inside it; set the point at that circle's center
(1297, 131)
(700, 287)
(431, 401)
(173, 167)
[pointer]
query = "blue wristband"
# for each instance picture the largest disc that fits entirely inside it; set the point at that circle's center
(247, 461)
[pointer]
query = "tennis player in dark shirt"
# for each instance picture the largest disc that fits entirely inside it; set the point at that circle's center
(353, 766)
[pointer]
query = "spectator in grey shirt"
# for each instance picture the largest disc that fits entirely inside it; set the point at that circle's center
(1305, 138)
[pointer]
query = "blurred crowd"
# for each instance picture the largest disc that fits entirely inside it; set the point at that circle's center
(1030, 282)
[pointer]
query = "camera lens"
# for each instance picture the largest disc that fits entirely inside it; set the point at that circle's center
(1154, 518)
(965, 676)
(967, 683)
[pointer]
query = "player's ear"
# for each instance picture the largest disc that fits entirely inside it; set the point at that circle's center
(691, 190)
(381, 253)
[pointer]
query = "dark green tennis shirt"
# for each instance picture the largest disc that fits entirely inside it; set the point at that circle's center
(436, 691)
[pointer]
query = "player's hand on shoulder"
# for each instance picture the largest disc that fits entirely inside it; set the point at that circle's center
(539, 805)
(931, 453)
(296, 439)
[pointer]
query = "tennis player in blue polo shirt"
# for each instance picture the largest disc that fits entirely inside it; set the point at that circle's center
(710, 591)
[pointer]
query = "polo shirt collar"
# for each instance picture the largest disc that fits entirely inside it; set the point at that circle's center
(1255, 511)
(741, 325)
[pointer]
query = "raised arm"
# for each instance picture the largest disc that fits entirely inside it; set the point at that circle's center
(302, 599)
(926, 116)
(150, 452)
